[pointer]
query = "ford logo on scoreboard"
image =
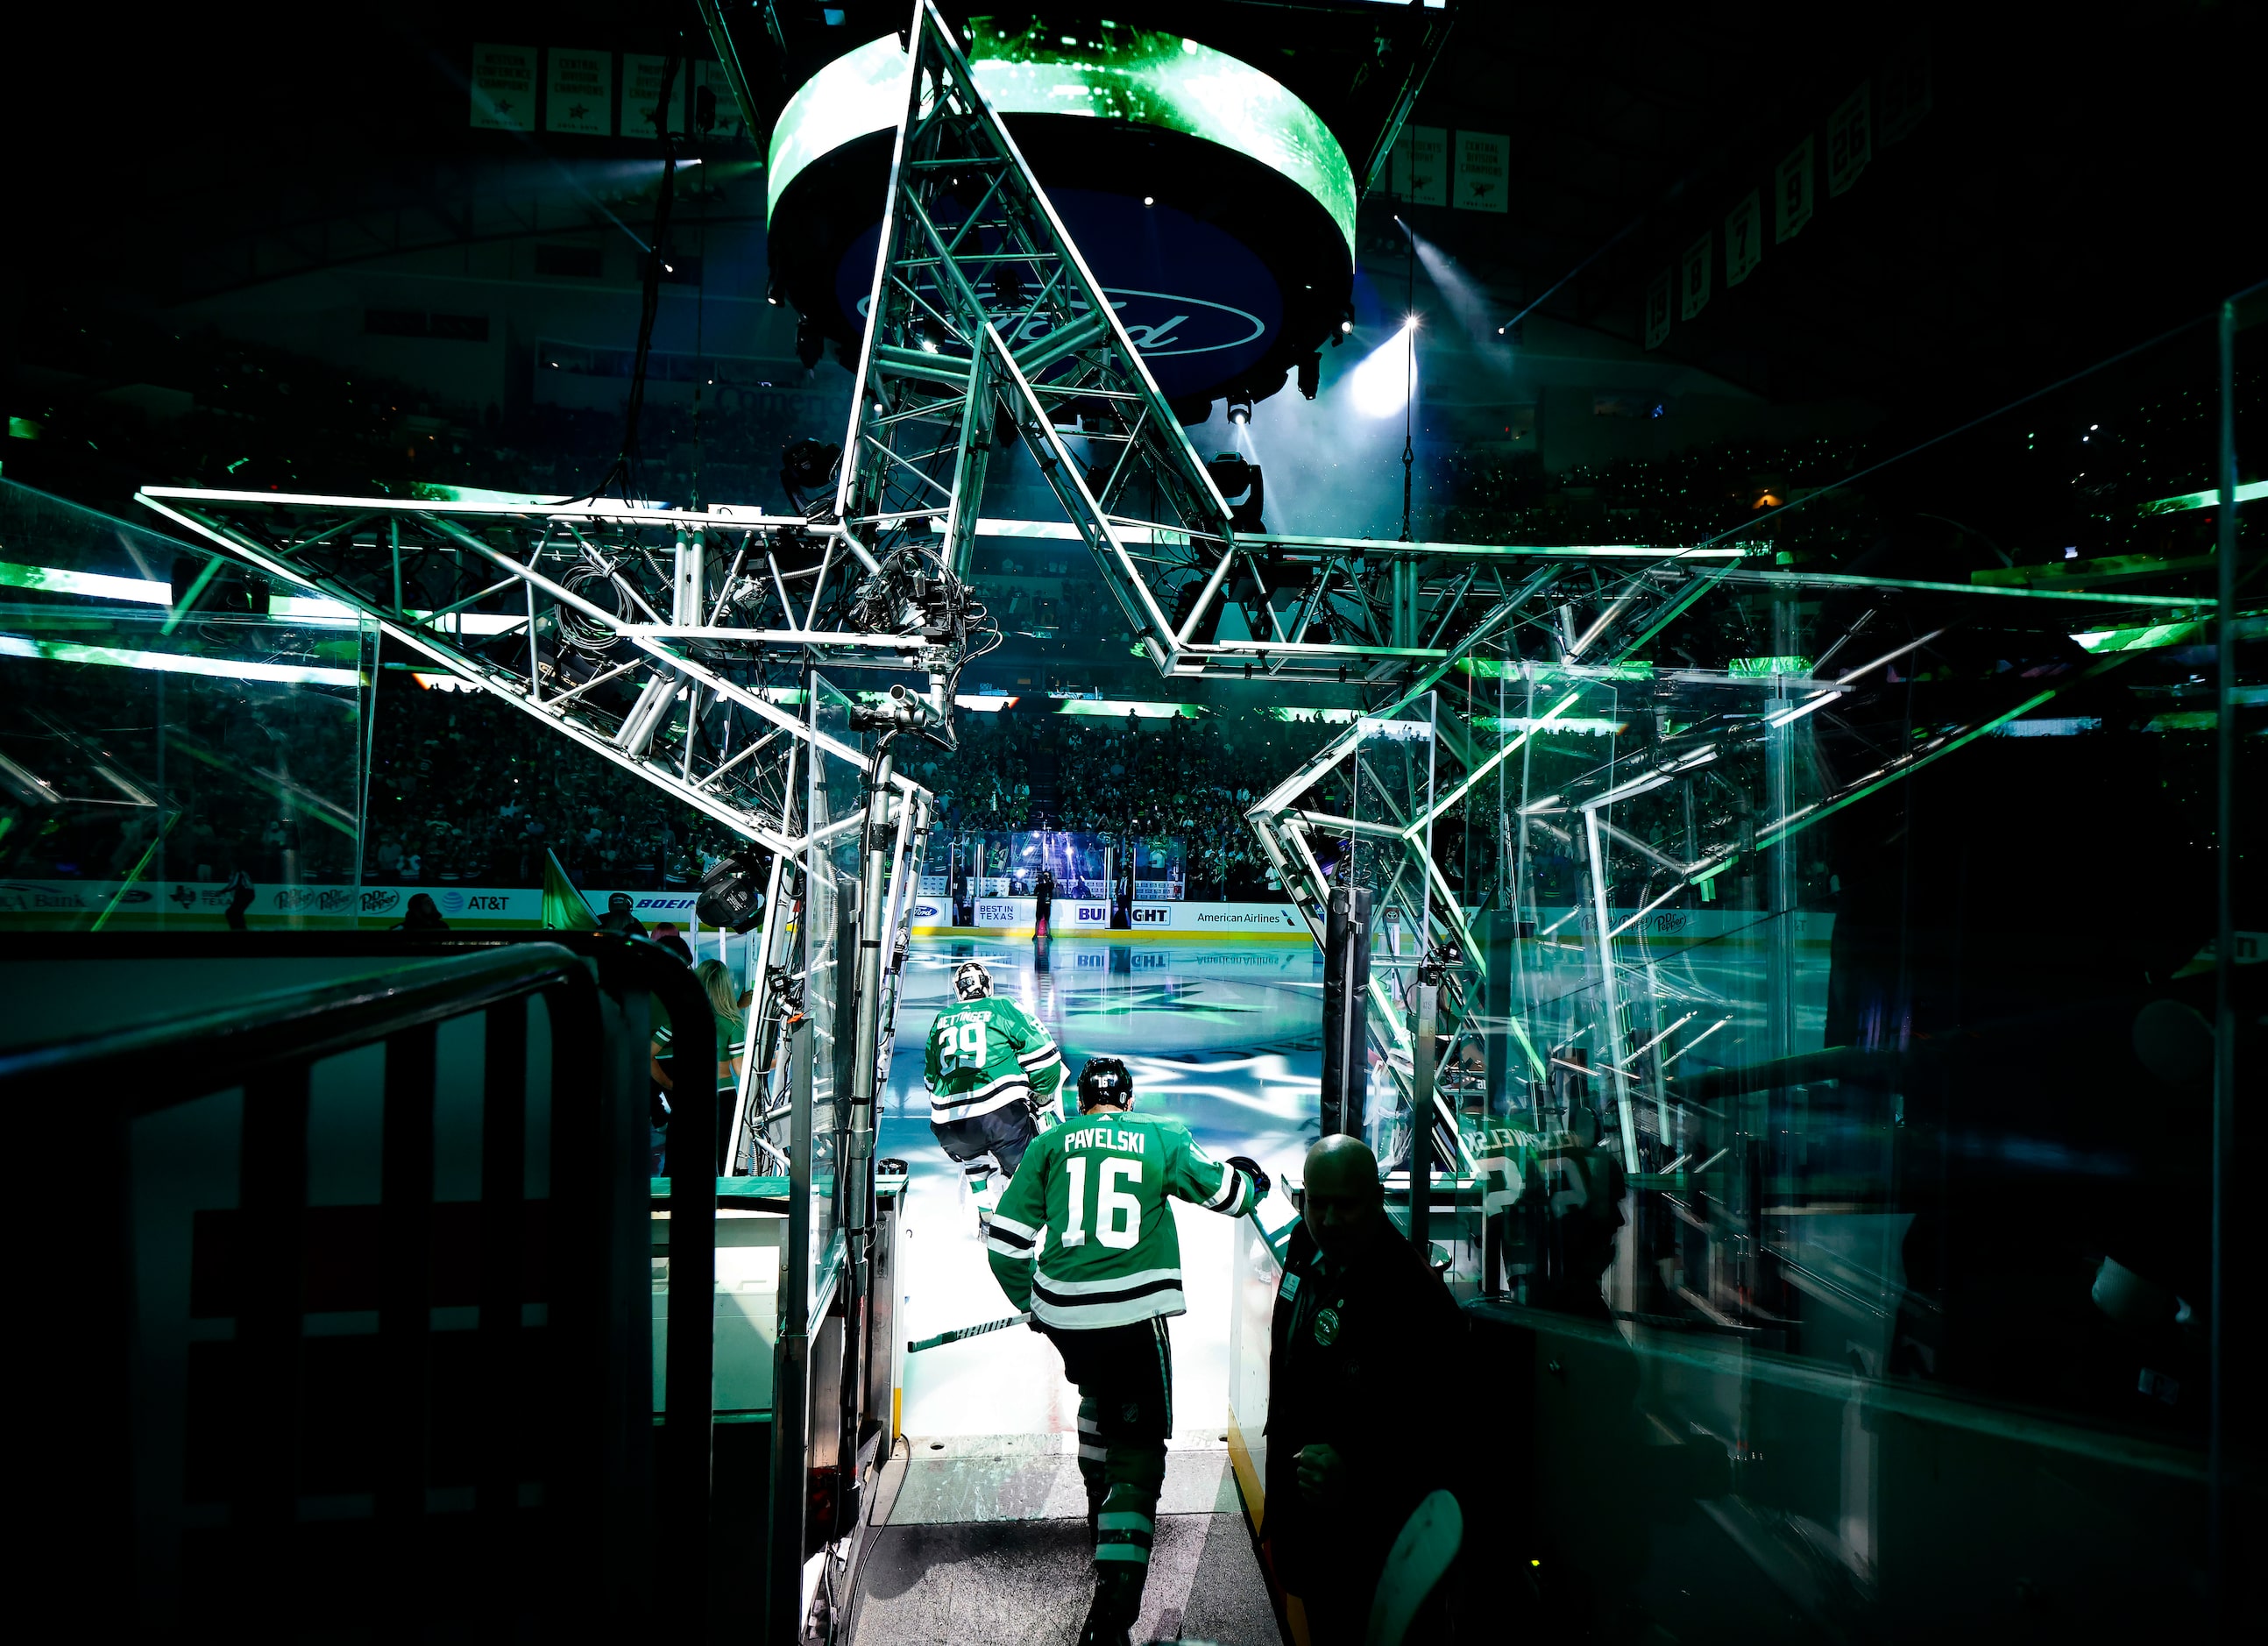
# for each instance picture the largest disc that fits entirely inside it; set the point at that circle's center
(1165, 258)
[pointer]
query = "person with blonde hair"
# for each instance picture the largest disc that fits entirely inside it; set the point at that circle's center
(716, 981)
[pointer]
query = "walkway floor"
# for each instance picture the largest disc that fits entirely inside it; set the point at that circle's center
(983, 1538)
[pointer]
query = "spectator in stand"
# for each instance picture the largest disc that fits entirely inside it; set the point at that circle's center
(421, 915)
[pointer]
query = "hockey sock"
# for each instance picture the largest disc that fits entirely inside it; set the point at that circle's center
(1091, 1454)
(984, 1190)
(1127, 1520)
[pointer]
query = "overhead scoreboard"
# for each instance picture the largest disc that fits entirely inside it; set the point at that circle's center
(1216, 208)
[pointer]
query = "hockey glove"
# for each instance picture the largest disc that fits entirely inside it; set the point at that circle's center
(1250, 1168)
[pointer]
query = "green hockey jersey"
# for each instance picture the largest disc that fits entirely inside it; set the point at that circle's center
(1097, 1186)
(985, 1055)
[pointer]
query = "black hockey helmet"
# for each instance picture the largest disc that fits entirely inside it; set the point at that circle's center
(971, 981)
(1105, 1080)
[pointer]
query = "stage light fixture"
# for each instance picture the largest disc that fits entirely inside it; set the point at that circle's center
(1149, 200)
(810, 344)
(732, 893)
(1311, 375)
(1240, 410)
(772, 291)
(1382, 383)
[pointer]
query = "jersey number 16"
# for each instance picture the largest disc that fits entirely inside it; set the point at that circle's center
(1117, 1214)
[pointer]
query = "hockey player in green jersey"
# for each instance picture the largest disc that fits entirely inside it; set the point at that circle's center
(1105, 1281)
(993, 1075)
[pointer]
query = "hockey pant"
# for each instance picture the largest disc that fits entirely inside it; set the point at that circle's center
(986, 1143)
(1125, 1378)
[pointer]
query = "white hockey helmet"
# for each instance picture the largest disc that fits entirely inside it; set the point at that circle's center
(971, 981)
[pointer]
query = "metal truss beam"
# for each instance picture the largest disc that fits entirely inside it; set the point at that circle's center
(1760, 713)
(985, 327)
(660, 640)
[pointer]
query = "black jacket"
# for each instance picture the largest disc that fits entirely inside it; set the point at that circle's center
(1368, 1358)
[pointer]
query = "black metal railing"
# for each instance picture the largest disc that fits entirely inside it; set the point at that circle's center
(568, 1522)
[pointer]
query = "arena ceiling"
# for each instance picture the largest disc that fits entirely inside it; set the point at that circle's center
(2077, 182)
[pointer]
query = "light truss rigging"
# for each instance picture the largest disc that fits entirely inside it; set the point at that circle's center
(986, 329)
(668, 642)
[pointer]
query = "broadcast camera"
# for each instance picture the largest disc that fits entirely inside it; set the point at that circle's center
(900, 711)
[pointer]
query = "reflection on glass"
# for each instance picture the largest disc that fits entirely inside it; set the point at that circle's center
(179, 744)
(830, 914)
(1829, 1043)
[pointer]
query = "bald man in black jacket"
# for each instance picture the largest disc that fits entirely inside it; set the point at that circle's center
(1366, 1360)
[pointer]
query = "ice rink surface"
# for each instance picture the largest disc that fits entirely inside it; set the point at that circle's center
(1225, 1037)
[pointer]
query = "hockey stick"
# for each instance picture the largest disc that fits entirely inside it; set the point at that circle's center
(956, 1336)
(942, 1339)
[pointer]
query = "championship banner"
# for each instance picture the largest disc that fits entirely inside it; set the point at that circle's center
(1693, 284)
(1484, 162)
(1744, 235)
(641, 95)
(1850, 142)
(504, 88)
(1420, 170)
(579, 98)
(1791, 194)
(1657, 311)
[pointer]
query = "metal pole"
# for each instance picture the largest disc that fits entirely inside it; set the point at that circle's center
(791, 1368)
(1408, 380)
(1421, 1104)
(2224, 1016)
(1346, 1012)
(1610, 996)
(756, 953)
(858, 1157)
(369, 760)
(1779, 859)
(1661, 1094)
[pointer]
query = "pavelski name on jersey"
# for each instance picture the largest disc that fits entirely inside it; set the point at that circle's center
(1103, 1137)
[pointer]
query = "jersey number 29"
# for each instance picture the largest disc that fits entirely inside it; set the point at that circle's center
(960, 1046)
(1117, 1214)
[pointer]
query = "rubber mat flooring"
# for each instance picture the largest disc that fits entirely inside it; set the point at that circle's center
(983, 1539)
